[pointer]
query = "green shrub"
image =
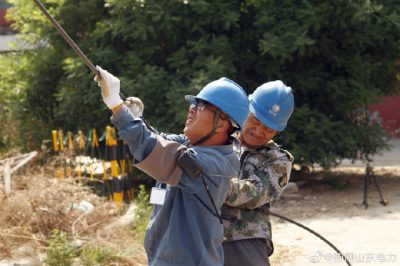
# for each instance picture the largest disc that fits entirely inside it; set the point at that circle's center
(91, 256)
(60, 251)
(142, 211)
(338, 56)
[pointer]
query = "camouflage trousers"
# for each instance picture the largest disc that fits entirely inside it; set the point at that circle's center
(249, 252)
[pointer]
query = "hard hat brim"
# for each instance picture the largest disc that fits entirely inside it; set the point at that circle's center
(191, 99)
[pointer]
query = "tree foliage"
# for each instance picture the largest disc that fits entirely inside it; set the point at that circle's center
(337, 55)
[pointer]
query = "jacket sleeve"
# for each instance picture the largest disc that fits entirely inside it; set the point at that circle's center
(181, 138)
(153, 154)
(259, 184)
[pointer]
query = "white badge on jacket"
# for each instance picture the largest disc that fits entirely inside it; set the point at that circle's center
(157, 196)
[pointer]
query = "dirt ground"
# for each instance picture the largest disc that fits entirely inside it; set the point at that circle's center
(333, 208)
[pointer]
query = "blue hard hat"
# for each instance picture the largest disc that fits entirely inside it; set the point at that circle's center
(228, 96)
(272, 104)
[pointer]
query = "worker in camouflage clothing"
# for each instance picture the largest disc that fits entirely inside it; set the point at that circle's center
(264, 174)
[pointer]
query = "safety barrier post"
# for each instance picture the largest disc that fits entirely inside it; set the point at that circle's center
(59, 172)
(118, 194)
(107, 185)
(95, 145)
(61, 138)
(55, 140)
(81, 141)
(70, 145)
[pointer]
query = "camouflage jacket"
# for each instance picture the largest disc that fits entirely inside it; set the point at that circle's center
(264, 173)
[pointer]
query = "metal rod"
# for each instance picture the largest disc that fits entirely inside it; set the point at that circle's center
(68, 39)
(71, 43)
(366, 184)
(383, 202)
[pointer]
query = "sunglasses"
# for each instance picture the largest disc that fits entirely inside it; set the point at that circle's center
(199, 106)
(202, 105)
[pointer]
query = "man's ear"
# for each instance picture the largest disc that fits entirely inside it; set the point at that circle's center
(222, 125)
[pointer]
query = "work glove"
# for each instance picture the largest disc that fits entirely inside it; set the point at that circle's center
(110, 87)
(134, 105)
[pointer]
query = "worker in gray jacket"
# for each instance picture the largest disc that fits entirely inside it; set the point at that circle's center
(185, 226)
(264, 173)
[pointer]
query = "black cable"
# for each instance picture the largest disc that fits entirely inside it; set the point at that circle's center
(150, 127)
(312, 232)
(211, 199)
(205, 205)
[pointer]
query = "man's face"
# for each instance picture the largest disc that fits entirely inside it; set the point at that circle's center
(255, 134)
(199, 121)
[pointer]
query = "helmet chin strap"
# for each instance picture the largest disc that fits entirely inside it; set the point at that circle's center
(212, 132)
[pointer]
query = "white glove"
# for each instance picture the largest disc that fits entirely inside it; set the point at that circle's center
(110, 87)
(134, 105)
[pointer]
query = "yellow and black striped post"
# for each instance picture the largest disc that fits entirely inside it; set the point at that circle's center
(70, 142)
(117, 193)
(95, 146)
(61, 139)
(95, 140)
(59, 172)
(70, 145)
(107, 179)
(55, 140)
(113, 152)
(81, 142)
(127, 178)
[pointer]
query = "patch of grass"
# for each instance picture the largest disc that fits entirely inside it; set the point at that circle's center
(142, 212)
(60, 251)
(91, 256)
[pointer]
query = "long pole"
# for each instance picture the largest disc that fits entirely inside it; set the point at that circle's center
(68, 39)
(71, 43)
